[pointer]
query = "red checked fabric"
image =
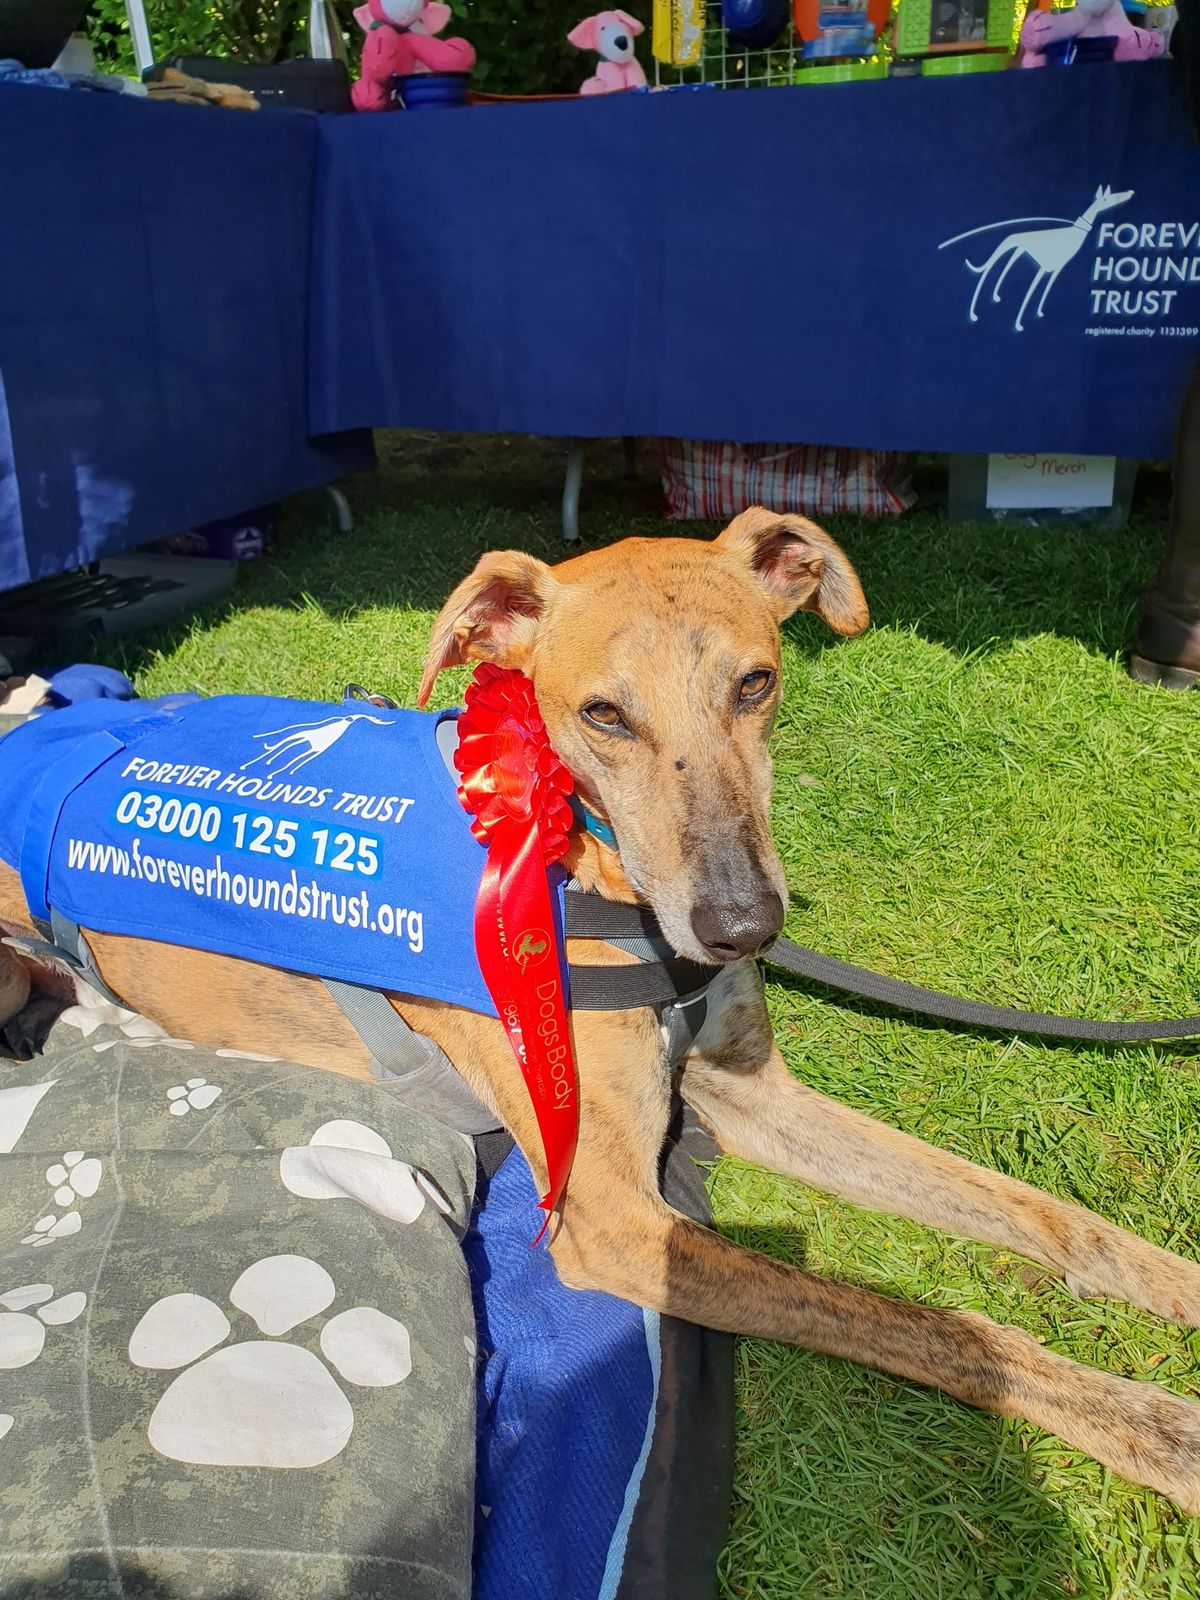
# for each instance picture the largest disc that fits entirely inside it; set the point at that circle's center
(705, 480)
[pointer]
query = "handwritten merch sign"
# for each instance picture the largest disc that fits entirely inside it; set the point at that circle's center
(1050, 482)
(319, 838)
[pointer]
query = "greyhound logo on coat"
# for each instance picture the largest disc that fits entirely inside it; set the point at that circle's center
(301, 742)
(1049, 248)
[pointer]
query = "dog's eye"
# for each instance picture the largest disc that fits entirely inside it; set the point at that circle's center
(603, 714)
(755, 685)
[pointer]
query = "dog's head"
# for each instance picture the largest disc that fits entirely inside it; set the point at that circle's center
(656, 666)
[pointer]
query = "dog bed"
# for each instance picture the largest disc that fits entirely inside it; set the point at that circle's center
(267, 1331)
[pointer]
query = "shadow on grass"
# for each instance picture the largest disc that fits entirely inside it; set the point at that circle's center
(877, 1487)
(438, 502)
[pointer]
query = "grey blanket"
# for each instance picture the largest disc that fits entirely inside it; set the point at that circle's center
(236, 1341)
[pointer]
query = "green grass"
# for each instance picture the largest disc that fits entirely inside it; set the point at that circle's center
(971, 796)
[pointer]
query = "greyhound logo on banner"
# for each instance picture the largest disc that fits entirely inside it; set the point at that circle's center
(1136, 274)
(301, 742)
(1050, 247)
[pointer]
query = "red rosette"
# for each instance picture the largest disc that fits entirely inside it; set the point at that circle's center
(516, 791)
(510, 771)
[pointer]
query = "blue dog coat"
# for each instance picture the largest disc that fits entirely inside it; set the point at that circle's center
(320, 838)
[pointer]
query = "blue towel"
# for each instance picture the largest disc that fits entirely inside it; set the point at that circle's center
(69, 686)
(567, 1397)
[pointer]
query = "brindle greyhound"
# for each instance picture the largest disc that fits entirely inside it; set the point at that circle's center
(656, 665)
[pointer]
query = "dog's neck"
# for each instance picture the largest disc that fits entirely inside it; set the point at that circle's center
(596, 867)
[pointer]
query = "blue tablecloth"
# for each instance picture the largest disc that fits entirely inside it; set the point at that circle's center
(154, 264)
(189, 297)
(766, 266)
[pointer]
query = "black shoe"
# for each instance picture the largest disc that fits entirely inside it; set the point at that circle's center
(1166, 651)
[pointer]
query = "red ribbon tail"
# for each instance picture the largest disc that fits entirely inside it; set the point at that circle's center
(517, 946)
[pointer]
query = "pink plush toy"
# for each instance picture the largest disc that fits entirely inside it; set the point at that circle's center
(610, 34)
(400, 41)
(1087, 19)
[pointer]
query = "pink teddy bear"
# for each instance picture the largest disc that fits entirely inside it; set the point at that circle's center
(1088, 19)
(610, 34)
(400, 41)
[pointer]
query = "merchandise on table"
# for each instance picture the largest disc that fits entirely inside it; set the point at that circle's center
(401, 44)
(752, 43)
(610, 34)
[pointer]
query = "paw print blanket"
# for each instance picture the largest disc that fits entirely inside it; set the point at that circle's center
(270, 1334)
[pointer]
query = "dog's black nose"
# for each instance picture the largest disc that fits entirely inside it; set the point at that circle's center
(621, 41)
(730, 932)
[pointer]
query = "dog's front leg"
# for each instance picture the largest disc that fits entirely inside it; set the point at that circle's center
(618, 1235)
(738, 1082)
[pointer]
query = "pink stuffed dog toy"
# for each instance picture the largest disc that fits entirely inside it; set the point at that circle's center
(610, 34)
(1088, 19)
(400, 41)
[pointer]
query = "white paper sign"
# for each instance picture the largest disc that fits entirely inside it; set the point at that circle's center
(1050, 482)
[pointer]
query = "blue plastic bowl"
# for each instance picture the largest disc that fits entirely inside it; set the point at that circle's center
(755, 23)
(1080, 52)
(421, 91)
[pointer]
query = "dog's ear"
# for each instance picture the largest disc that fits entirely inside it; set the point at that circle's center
(493, 615)
(799, 567)
(630, 23)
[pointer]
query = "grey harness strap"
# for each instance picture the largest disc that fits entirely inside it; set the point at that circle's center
(419, 1070)
(62, 941)
(680, 1020)
(422, 1074)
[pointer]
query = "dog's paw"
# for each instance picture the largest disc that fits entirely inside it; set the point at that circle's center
(1166, 1450)
(1121, 1266)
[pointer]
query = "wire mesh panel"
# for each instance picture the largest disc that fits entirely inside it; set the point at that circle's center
(733, 66)
(923, 28)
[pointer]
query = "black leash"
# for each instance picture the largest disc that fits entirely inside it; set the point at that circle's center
(867, 985)
(611, 988)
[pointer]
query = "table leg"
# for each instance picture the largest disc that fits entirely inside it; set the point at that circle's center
(343, 517)
(572, 484)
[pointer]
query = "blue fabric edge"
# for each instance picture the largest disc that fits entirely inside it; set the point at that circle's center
(616, 1550)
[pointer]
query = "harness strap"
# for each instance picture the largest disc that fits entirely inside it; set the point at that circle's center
(683, 1022)
(68, 937)
(420, 1072)
(677, 988)
(62, 942)
(652, 983)
(588, 916)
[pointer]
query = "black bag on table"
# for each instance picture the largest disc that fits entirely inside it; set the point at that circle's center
(302, 84)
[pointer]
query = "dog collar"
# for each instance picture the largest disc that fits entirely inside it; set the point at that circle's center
(590, 823)
(447, 738)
